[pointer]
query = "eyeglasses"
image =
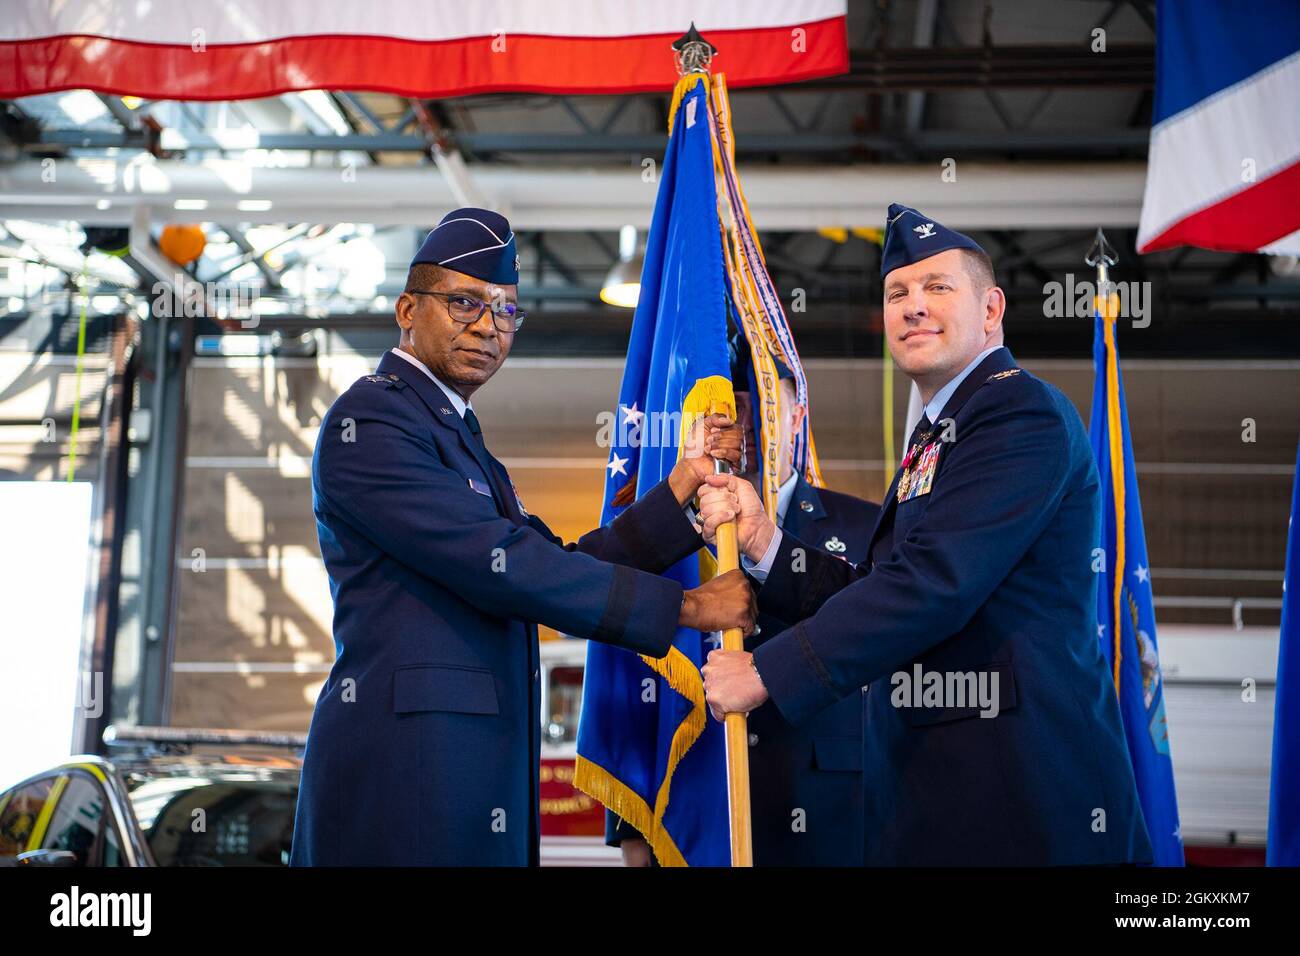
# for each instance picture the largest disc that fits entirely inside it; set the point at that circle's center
(467, 309)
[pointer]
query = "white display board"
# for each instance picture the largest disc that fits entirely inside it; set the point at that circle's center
(44, 556)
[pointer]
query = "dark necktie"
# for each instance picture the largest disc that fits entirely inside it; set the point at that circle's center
(884, 543)
(471, 421)
(508, 501)
(922, 427)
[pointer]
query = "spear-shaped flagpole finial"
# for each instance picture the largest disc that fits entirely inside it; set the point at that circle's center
(1101, 256)
(692, 53)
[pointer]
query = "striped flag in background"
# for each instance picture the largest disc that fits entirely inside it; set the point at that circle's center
(1223, 171)
(238, 49)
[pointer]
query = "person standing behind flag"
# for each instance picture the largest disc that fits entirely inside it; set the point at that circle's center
(979, 584)
(805, 782)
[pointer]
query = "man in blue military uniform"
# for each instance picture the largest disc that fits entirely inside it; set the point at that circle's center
(805, 782)
(425, 742)
(992, 733)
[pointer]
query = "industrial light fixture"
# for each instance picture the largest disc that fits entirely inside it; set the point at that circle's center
(622, 286)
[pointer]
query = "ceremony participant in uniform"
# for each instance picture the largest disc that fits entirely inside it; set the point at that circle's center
(425, 742)
(805, 782)
(992, 733)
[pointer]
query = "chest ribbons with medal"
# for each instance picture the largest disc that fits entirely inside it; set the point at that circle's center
(918, 467)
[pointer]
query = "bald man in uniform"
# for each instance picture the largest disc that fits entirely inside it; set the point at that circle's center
(805, 782)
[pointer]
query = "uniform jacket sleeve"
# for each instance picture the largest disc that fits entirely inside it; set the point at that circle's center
(1004, 478)
(652, 535)
(389, 483)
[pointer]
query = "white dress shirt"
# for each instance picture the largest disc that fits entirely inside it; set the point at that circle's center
(457, 402)
(784, 494)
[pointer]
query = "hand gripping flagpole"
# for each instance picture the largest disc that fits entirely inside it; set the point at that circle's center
(692, 54)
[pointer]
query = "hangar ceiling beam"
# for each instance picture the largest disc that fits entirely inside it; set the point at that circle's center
(842, 145)
(1006, 195)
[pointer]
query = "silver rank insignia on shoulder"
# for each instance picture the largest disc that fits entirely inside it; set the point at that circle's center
(835, 545)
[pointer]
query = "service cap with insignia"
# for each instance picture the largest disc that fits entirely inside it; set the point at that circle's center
(477, 242)
(911, 237)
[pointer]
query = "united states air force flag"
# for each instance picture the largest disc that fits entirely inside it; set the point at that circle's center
(1126, 621)
(646, 746)
(1284, 794)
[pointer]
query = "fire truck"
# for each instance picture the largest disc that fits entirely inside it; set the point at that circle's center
(573, 824)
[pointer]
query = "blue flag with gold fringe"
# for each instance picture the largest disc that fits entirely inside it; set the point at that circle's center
(1284, 787)
(1126, 620)
(647, 748)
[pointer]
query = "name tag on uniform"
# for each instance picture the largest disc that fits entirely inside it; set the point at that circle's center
(480, 487)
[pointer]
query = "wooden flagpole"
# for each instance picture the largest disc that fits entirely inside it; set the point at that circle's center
(737, 725)
(692, 54)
